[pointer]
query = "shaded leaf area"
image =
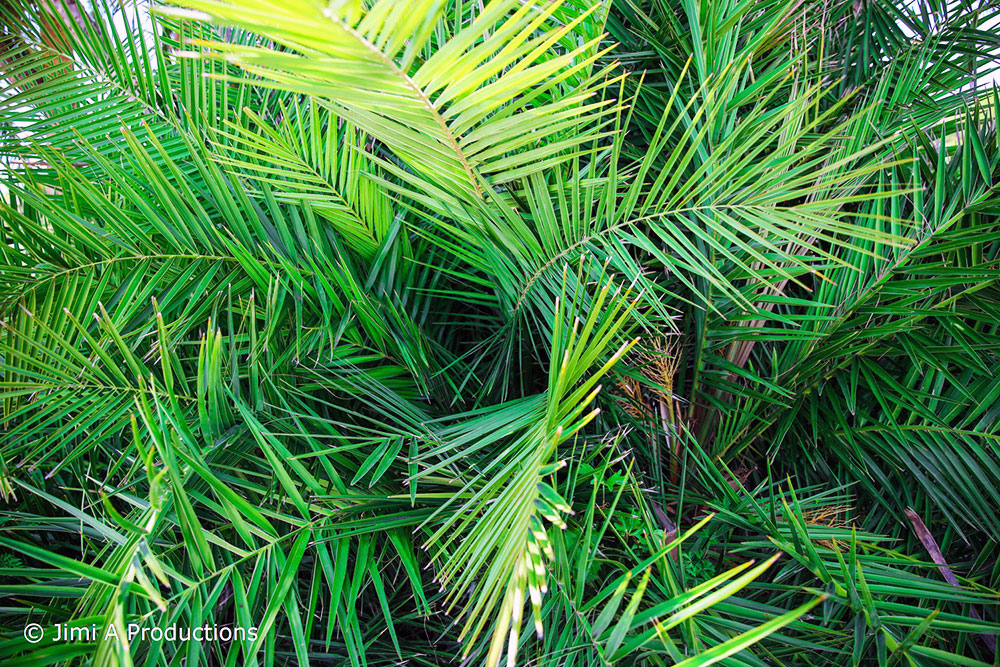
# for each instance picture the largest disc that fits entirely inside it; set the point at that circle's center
(541, 333)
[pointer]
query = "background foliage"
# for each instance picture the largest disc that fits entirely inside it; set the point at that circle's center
(638, 333)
